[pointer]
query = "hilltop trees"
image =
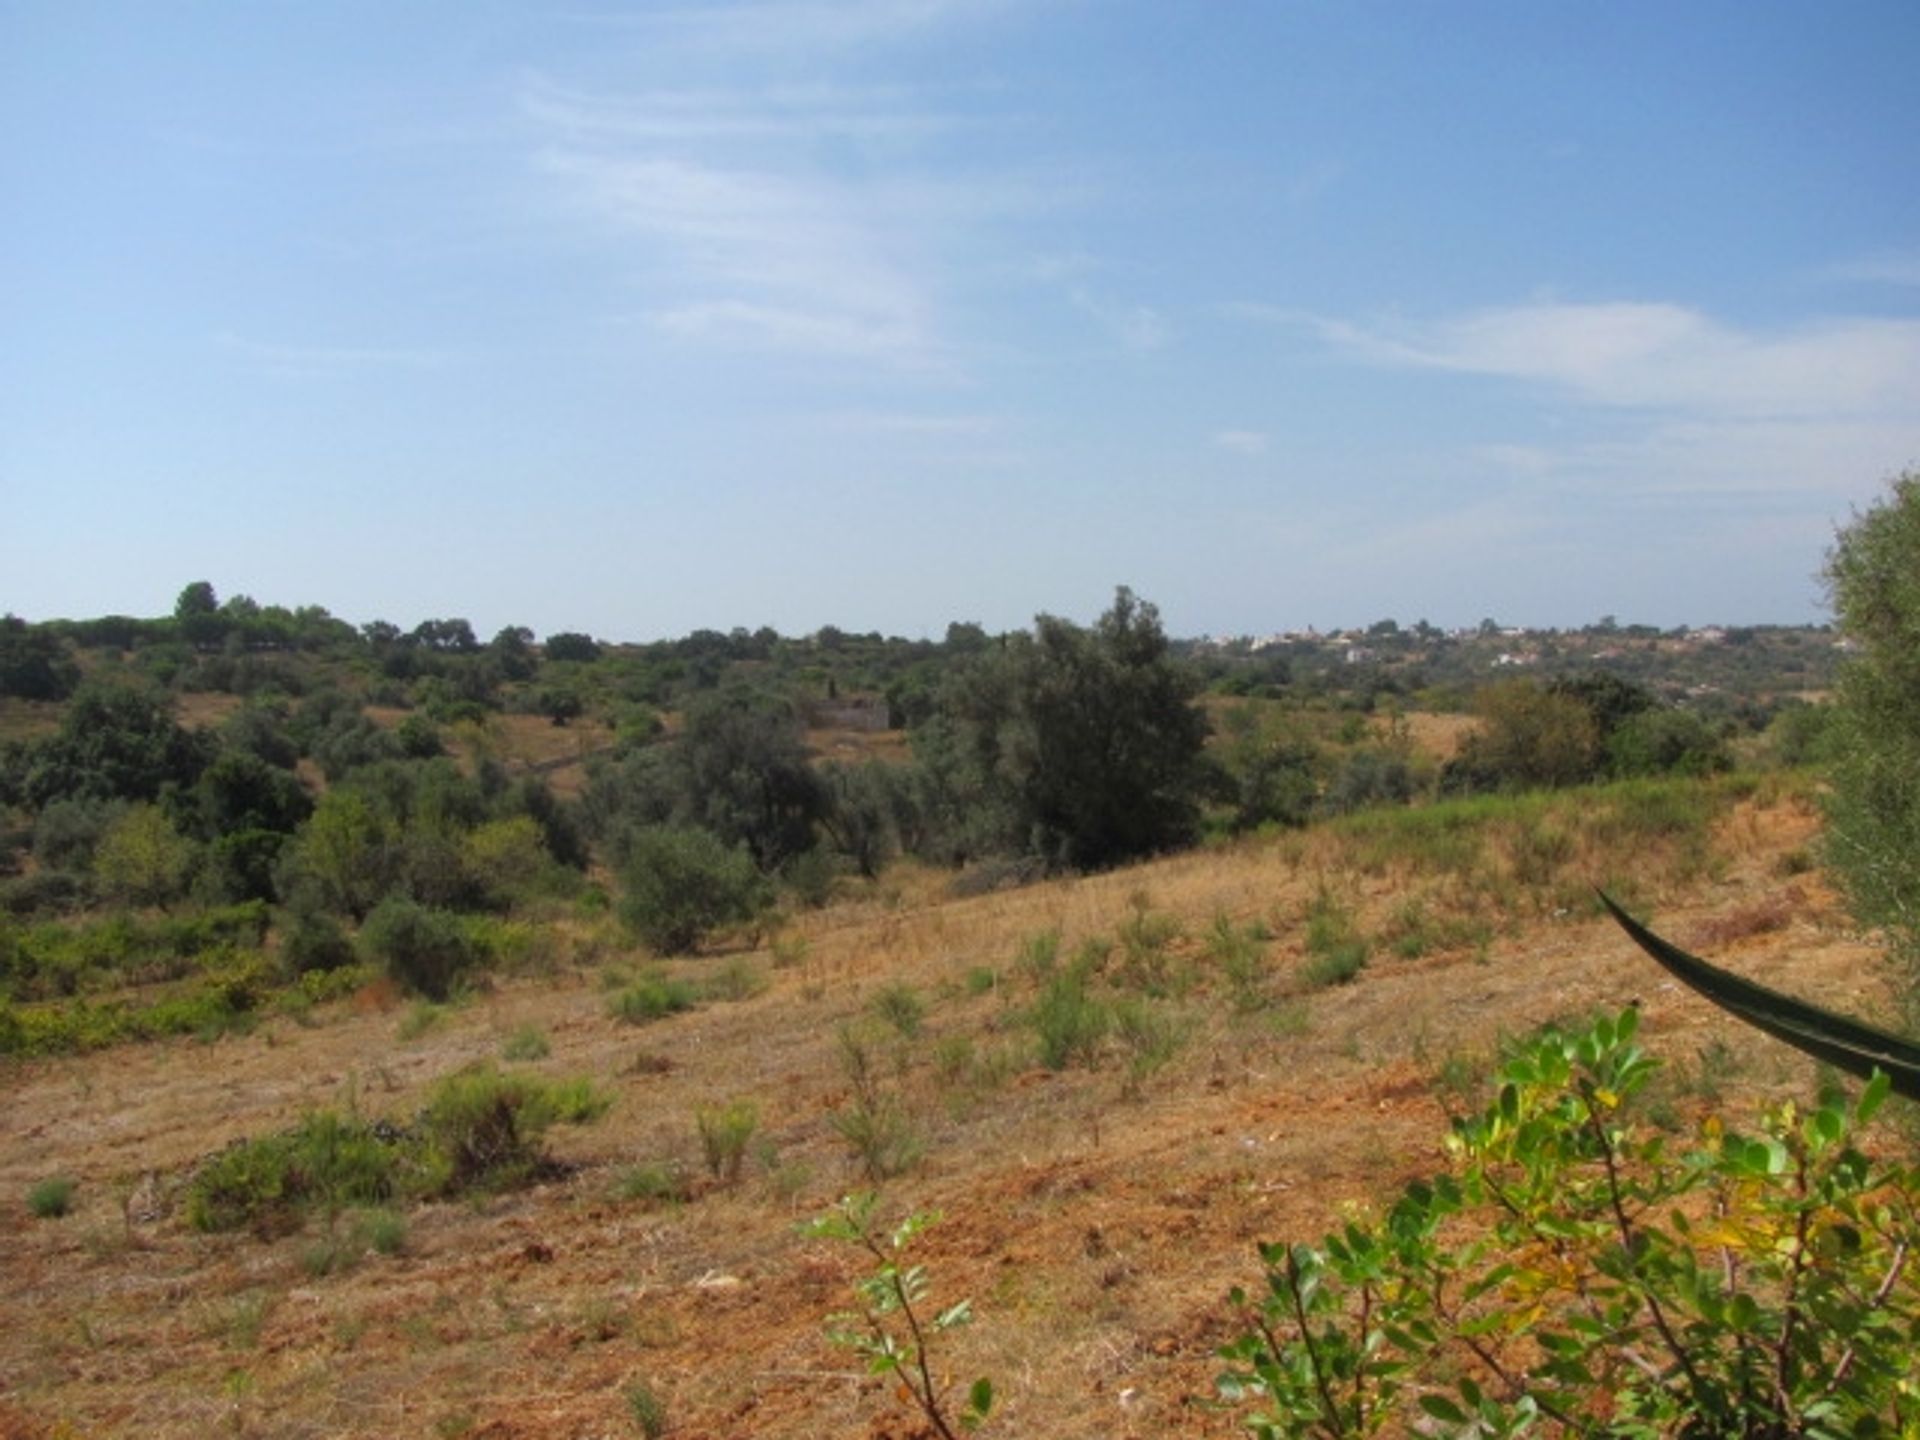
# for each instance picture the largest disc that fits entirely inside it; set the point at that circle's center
(1080, 747)
(1873, 836)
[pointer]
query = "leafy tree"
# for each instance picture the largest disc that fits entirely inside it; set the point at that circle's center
(424, 949)
(240, 791)
(572, 645)
(678, 885)
(454, 636)
(1664, 742)
(741, 772)
(197, 598)
(1529, 738)
(865, 805)
(343, 856)
(34, 663)
(561, 704)
(1272, 772)
(512, 651)
(142, 859)
(1610, 700)
(1873, 814)
(114, 742)
(1083, 747)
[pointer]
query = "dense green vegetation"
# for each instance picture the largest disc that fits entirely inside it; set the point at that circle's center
(347, 795)
(1873, 817)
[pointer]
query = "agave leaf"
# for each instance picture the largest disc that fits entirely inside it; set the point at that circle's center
(1845, 1044)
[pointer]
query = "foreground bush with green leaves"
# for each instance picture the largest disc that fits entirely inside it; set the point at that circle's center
(479, 1130)
(1569, 1274)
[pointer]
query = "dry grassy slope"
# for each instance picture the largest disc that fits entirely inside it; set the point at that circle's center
(1098, 1236)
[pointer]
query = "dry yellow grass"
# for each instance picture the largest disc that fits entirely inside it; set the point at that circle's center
(1098, 1236)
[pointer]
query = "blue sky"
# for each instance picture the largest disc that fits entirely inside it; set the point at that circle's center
(641, 318)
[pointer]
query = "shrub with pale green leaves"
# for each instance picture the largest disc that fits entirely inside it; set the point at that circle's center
(1570, 1274)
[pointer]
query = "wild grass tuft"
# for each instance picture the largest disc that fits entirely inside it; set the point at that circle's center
(52, 1198)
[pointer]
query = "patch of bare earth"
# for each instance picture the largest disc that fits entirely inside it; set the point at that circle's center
(1097, 1235)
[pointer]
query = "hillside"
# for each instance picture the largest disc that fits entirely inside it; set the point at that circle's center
(1096, 1223)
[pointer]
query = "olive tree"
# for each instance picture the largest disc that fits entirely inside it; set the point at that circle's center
(1081, 746)
(1873, 811)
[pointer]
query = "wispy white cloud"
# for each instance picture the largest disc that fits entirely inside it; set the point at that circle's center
(1663, 357)
(888, 115)
(1138, 328)
(808, 217)
(767, 327)
(1884, 267)
(1241, 442)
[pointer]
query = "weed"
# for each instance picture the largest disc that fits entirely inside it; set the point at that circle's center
(602, 1319)
(1241, 955)
(1145, 962)
(1335, 951)
(735, 978)
(653, 1181)
(789, 950)
(648, 1410)
(1070, 1023)
(653, 996)
(384, 1231)
(1039, 956)
(421, 1017)
(882, 1136)
(52, 1198)
(902, 1007)
(241, 1322)
(888, 1331)
(953, 1059)
(1290, 1020)
(724, 1133)
(526, 1043)
(981, 980)
(1149, 1038)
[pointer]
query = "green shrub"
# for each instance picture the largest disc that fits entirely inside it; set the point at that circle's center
(648, 1410)
(888, 1332)
(424, 950)
(901, 1006)
(653, 1181)
(679, 885)
(481, 1128)
(735, 978)
(1569, 1273)
(1149, 1037)
(881, 1134)
(724, 1133)
(52, 1198)
(1337, 965)
(653, 996)
(311, 939)
(267, 1183)
(526, 1043)
(1336, 953)
(1241, 955)
(1070, 1023)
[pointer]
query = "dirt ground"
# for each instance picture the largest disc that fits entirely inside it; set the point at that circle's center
(1096, 1234)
